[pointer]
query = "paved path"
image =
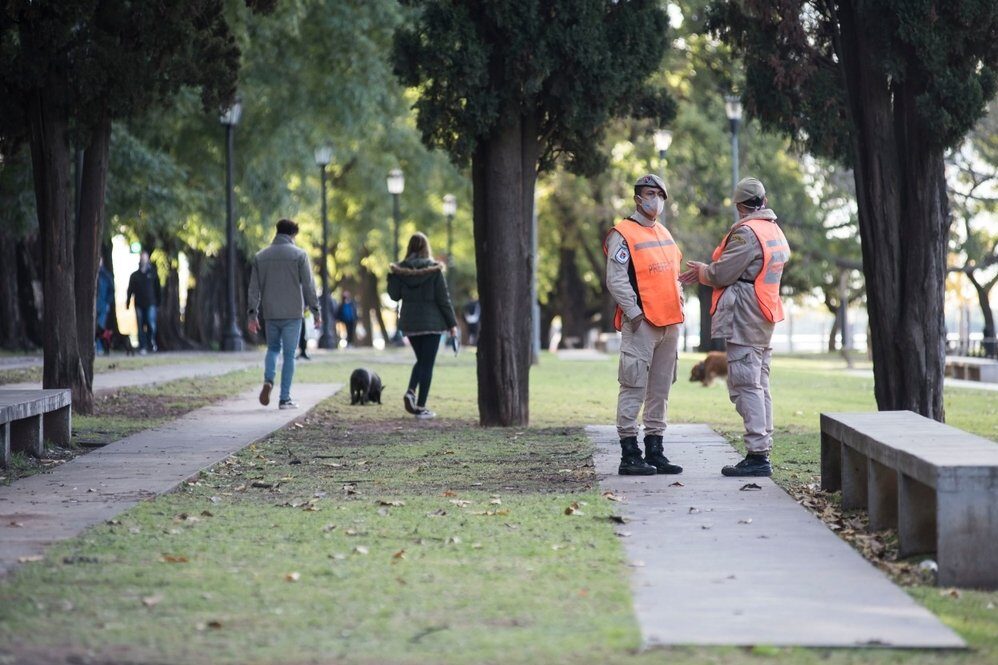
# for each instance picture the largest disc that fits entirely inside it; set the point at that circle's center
(127, 378)
(53, 506)
(706, 575)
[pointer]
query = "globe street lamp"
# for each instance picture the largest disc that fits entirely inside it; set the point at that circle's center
(733, 109)
(232, 339)
(323, 156)
(663, 139)
(396, 185)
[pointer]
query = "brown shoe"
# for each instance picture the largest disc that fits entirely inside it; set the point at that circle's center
(265, 393)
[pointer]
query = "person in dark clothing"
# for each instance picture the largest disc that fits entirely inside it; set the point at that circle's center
(473, 319)
(347, 315)
(303, 344)
(105, 301)
(143, 285)
(419, 283)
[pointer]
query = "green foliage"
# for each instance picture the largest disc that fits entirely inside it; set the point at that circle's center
(943, 54)
(574, 65)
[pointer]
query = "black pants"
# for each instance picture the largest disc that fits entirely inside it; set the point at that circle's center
(425, 347)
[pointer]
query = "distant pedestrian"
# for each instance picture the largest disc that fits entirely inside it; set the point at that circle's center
(347, 315)
(281, 285)
(473, 318)
(144, 286)
(102, 311)
(745, 272)
(427, 313)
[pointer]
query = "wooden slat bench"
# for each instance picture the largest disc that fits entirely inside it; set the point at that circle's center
(972, 369)
(936, 484)
(30, 417)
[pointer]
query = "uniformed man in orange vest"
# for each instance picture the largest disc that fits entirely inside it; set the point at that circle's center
(642, 269)
(745, 272)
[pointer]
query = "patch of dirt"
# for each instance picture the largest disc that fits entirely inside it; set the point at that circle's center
(68, 655)
(878, 547)
(140, 406)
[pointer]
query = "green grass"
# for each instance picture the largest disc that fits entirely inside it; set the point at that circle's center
(513, 581)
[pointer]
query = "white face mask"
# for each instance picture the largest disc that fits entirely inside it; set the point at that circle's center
(654, 206)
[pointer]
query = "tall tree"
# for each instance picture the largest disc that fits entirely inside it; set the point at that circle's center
(885, 87)
(67, 70)
(514, 86)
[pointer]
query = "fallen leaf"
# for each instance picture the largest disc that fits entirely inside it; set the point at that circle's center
(328, 528)
(396, 504)
(610, 496)
(693, 511)
(31, 558)
(360, 549)
(152, 601)
(573, 509)
(705, 526)
(215, 499)
(18, 525)
(292, 577)
(440, 512)
(637, 564)
(299, 426)
(454, 540)
(262, 485)
(399, 555)
(171, 558)
(747, 520)
(448, 493)
(677, 484)
(460, 503)
(207, 513)
(496, 502)
(749, 486)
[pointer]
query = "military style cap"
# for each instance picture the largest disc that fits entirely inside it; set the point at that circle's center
(652, 180)
(748, 189)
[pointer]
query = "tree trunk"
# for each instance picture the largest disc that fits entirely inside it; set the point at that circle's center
(30, 290)
(984, 299)
(504, 171)
(12, 333)
(169, 328)
(707, 342)
(89, 233)
(903, 221)
(53, 184)
(833, 334)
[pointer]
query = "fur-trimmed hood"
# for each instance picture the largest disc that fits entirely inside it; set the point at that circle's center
(414, 271)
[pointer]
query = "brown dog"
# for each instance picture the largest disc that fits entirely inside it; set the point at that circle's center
(714, 366)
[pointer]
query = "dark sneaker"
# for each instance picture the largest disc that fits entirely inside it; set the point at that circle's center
(654, 456)
(409, 401)
(631, 463)
(422, 413)
(287, 404)
(265, 392)
(752, 465)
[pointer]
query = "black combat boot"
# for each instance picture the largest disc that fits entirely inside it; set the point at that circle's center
(654, 456)
(754, 464)
(631, 463)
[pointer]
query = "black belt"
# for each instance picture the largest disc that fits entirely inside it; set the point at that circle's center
(747, 281)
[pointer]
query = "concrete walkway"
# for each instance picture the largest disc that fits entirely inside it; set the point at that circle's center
(40, 510)
(715, 565)
(128, 378)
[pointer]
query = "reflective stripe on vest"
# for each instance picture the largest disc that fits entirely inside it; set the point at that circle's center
(775, 254)
(656, 261)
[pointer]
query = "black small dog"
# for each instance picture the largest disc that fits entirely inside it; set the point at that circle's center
(365, 386)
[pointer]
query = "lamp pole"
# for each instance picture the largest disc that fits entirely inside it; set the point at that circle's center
(323, 156)
(232, 339)
(450, 207)
(396, 185)
(733, 109)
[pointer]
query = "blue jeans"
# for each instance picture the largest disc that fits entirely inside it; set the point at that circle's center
(145, 317)
(282, 337)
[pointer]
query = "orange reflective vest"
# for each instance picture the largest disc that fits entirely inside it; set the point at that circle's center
(655, 260)
(775, 254)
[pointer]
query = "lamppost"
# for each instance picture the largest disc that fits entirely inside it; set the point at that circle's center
(450, 207)
(396, 185)
(733, 109)
(663, 139)
(232, 339)
(323, 156)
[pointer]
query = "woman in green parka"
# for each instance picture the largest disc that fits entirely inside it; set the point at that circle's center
(427, 313)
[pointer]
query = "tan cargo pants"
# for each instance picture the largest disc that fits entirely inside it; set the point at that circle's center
(748, 388)
(647, 370)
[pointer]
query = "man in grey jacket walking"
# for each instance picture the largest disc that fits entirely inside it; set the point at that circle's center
(280, 286)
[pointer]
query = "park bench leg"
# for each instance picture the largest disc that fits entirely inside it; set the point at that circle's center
(4, 445)
(26, 435)
(916, 517)
(854, 479)
(882, 495)
(831, 464)
(968, 532)
(59, 426)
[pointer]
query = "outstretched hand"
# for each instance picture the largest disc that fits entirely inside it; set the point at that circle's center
(692, 275)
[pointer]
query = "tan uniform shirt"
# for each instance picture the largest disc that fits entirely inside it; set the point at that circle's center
(618, 282)
(738, 317)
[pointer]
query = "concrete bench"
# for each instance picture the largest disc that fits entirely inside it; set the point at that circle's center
(972, 369)
(936, 484)
(29, 417)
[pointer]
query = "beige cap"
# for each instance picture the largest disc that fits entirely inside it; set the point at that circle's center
(748, 189)
(652, 180)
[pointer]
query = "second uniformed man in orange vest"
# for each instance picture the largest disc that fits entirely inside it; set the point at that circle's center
(745, 272)
(642, 269)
